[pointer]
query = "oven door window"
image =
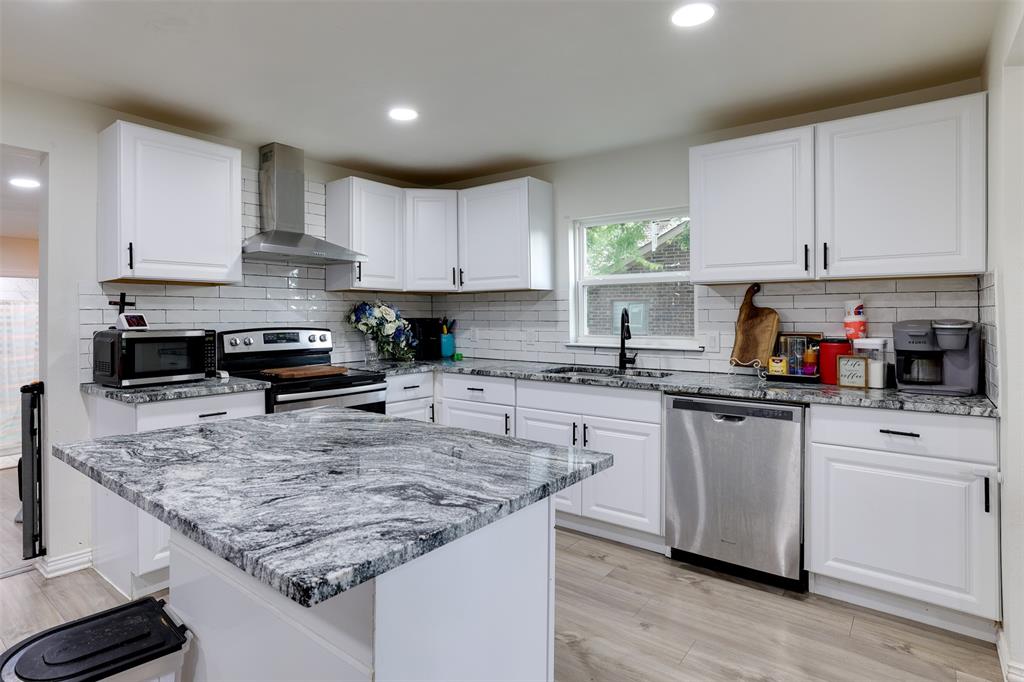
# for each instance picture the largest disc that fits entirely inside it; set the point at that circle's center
(164, 357)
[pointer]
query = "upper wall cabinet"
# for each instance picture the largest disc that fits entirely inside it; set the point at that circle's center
(368, 217)
(506, 236)
(170, 207)
(902, 192)
(752, 208)
(431, 239)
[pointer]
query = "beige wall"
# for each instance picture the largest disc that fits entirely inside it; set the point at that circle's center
(19, 257)
(67, 130)
(1004, 79)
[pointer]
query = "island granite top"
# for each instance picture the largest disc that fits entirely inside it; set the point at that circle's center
(314, 502)
(191, 389)
(709, 384)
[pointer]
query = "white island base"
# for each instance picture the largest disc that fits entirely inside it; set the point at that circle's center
(478, 608)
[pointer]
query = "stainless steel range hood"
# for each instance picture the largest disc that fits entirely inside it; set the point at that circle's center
(283, 214)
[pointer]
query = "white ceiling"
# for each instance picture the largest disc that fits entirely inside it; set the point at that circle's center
(499, 85)
(19, 208)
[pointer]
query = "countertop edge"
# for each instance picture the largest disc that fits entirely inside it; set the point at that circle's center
(184, 391)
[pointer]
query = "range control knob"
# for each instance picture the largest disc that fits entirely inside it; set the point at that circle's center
(233, 341)
(248, 341)
(323, 337)
(312, 338)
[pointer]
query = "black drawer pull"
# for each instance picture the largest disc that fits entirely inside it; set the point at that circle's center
(900, 433)
(212, 414)
(988, 507)
(473, 388)
(431, 411)
(508, 427)
(574, 433)
(585, 435)
(408, 388)
(807, 258)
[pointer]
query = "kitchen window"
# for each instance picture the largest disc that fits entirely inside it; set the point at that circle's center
(637, 261)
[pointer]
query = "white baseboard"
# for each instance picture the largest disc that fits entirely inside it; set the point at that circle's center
(51, 566)
(627, 536)
(1013, 671)
(904, 607)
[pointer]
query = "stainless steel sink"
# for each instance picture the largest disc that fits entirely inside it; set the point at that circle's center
(610, 372)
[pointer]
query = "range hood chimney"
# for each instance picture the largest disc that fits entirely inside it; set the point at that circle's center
(283, 214)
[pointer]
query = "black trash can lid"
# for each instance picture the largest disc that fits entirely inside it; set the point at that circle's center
(96, 646)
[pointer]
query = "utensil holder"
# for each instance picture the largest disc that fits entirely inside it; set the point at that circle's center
(447, 345)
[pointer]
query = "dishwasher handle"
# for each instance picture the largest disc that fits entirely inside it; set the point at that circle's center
(728, 418)
(725, 410)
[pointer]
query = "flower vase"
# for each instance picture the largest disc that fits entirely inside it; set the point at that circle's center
(372, 353)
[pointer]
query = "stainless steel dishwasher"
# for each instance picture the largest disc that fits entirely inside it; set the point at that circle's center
(734, 488)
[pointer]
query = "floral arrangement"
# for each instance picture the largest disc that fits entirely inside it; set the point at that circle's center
(383, 324)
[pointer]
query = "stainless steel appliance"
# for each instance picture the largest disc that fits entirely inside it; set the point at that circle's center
(126, 357)
(297, 363)
(734, 486)
(937, 357)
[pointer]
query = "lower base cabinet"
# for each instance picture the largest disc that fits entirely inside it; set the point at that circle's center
(487, 417)
(421, 410)
(628, 494)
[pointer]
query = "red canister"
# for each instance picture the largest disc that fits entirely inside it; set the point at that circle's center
(828, 351)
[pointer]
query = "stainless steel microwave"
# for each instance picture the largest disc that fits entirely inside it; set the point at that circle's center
(124, 358)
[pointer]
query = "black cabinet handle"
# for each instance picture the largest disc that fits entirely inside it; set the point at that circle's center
(585, 436)
(453, 275)
(408, 388)
(508, 428)
(473, 388)
(900, 433)
(212, 414)
(826, 255)
(807, 258)
(988, 508)
(462, 279)
(431, 411)
(131, 255)
(574, 433)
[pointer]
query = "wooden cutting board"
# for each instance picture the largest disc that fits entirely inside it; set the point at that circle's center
(306, 372)
(756, 329)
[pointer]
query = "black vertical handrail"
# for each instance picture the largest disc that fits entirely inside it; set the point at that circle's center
(31, 482)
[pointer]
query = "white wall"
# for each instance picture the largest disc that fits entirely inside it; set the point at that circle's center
(67, 130)
(1004, 79)
(19, 257)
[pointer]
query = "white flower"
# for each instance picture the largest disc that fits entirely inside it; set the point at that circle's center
(376, 312)
(390, 328)
(363, 327)
(388, 314)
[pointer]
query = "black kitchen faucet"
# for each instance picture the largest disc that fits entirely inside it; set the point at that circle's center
(625, 335)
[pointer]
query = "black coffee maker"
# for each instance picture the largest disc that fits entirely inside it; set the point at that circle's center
(427, 331)
(937, 357)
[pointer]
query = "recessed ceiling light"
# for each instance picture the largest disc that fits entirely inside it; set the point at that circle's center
(25, 183)
(403, 114)
(693, 14)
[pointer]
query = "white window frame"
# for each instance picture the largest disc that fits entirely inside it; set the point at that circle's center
(578, 282)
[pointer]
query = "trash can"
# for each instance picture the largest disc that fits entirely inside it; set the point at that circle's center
(136, 642)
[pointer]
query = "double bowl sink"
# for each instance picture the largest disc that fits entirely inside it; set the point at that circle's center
(585, 371)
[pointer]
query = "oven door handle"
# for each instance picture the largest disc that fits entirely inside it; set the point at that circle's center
(330, 393)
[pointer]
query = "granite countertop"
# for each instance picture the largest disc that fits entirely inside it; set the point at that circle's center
(314, 502)
(192, 389)
(709, 384)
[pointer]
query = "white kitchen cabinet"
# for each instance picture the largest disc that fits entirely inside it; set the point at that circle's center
(131, 548)
(629, 493)
(916, 526)
(367, 217)
(169, 207)
(752, 208)
(487, 417)
(420, 409)
(431, 239)
(555, 428)
(506, 236)
(903, 192)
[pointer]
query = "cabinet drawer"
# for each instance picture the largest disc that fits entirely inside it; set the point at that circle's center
(968, 439)
(410, 386)
(497, 390)
(599, 401)
(171, 413)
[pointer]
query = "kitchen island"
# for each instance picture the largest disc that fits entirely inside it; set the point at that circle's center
(336, 544)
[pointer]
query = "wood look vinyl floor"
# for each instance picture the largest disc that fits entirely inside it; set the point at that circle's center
(625, 615)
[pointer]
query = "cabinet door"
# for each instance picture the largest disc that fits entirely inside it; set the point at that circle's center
(179, 206)
(752, 208)
(421, 410)
(494, 236)
(496, 419)
(914, 526)
(378, 230)
(629, 493)
(556, 428)
(154, 543)
(431, 240)
(902, 192)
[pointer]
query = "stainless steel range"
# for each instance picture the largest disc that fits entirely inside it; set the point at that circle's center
(297, 362)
